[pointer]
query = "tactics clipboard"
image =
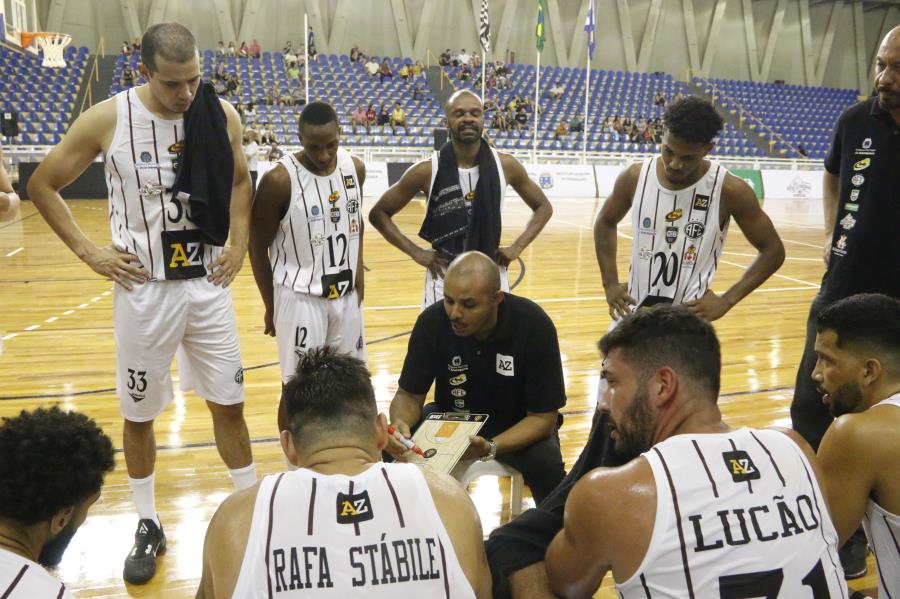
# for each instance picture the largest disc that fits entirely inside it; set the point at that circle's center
(444, 438)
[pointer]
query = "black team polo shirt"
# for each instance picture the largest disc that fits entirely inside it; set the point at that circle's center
(865, 247)
(515, 370)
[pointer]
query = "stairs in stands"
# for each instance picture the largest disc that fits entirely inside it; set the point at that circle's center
(749, 130)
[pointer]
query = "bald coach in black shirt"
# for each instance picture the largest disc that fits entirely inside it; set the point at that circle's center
(491, 353)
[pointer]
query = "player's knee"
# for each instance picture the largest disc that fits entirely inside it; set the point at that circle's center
(226, 413)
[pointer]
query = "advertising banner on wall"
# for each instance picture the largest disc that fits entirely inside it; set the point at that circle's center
(563, 180)
(792, 184)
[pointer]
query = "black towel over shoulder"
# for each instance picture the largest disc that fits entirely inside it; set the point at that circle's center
(447, 225)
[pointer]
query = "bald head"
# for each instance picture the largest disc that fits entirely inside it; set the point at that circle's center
(480, 271)
(887, 73)
(458, 96)
(892, 38)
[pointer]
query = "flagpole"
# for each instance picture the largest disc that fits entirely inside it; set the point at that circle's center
(306, 55)
(537, 85)
(584, 125)
(482, 76)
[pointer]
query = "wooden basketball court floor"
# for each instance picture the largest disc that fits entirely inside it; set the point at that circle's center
(56, 326)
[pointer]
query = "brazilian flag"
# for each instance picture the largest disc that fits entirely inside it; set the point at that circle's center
(539, 31)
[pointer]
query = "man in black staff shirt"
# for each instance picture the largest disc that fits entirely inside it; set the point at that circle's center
(862, 245)
(490, 353)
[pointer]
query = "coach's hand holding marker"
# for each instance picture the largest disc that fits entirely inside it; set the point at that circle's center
(407, 443)
(112, 263)
(398, 437)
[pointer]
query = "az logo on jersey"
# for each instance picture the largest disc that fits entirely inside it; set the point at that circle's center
(349, 182)
(675, 215)
(740, 466)
(334, 197)
(353, 509)
(701, 202)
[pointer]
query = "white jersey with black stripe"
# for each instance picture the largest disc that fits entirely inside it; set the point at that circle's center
(21, 578)
(374, 535)
(677, 238)
(144, 217)
(738, 514)
(883, 531)
(316, 245)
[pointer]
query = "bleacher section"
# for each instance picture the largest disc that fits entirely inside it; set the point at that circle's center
(795, 113)
(44, 98)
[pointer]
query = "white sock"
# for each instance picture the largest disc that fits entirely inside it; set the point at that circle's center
(144, 497)
(243, 477)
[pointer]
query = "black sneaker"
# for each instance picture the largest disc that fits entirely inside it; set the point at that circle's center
(853, 557)
(149, 541)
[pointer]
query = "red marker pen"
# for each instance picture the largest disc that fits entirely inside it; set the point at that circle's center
(407, 443)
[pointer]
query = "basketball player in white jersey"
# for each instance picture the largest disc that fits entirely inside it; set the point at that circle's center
(306, 244)
(465, 121)
(171, 288)
(858, 373)
(681, 205)
(9, 199)
(701, 510)
(52, 465)
(345, 525)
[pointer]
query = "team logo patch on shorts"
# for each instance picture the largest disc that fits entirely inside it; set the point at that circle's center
(349, 182)
(353, 509)
(740, 466)
(239, 376)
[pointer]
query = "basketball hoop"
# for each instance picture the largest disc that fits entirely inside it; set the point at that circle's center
(52, 45)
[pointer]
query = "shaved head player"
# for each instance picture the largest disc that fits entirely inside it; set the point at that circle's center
(171, 288)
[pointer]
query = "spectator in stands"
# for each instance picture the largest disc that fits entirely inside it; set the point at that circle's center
(475, 62)
(311, 42)
(354, 53)
(219, 86)
(371, 117)
(404, 72)
(384, 117)
(561, 131)
(288, 55)
(293, 72)
(232, 85)
(418, 69)
(267, 136)
(244, 51)
(463, 58)
(556, 91)
(251, 153)
(490, 104)
(418, 92)
(465, 73)
(617, 125)
(446, 58)
(385, 70)
(231, 52)
(576, 125)
(288, 47)
(801, 149)
(298, 96)
(359, 118)
(521, 118)
(127, 78)
(275, 153)
(659, 99)
(649, 134)
(286, 98)
(678, 96)
(398, 119)
(503, 81)
(250, 113)
(220, 71)
(136, 45)
(273, 94)
(371, 67)
(220, 49)
(255, 49)
(126, 49)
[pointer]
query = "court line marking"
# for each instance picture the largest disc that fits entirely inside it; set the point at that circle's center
(14, 252)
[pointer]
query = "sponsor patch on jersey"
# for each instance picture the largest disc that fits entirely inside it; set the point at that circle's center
(353, 509)
(694, 229)
(862, 165)
(334, 197)
(151, 191)
(690, 256)
(335, 214)
(848, 222)
(674, 215)
(317, 240)
(646, 223)
(701, 202)
(456, 365)
(315, 211)
(176, 147)
(457, 392)
(459, 404)
(183, 254)
(239, 376)
(146, 157)
(336, 285)
(354, 226)
(857, 180)
(352, 206)
(459, 379)
(851, 207)
(671, 234)
(740, 466)
(505, 365)
(840, 246)
(645, 254)
(349, 182)
(854, 195)
(470, 197)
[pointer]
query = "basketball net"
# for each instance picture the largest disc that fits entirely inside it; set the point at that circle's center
(52, 45)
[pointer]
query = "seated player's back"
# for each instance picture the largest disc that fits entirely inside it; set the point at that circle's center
(739, 514)
(375, 534)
